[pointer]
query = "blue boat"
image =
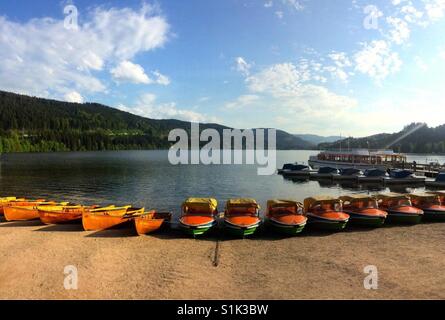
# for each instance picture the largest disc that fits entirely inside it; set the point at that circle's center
(325, 173)
(438, 182)
(373, 175)
(402, 176)
(294, 169)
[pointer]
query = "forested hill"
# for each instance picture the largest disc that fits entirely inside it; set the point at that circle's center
(40, 125)
(414, 138)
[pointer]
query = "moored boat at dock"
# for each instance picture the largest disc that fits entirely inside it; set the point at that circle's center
(363, 209)
(349, 174)
(402, 176)
(241, 217)
(198, 216)
(399, 208)
(373, 175)
(325, 212)
(285, 216)
(296, 170)
(325, 173)
(439, 182)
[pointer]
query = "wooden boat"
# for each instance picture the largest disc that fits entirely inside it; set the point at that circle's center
(400, 176)
(151, 221)
(5, 201)
(439, 182)
(348, 174)
(23, 210)
(399, 208)
(431, 204)
(325, 212)
(363, 210)
(198, 216)
(108, 217)
(241, 217)
(62, 214)
(285, 216)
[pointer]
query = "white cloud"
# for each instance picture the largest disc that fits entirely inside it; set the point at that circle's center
(73, 96)
(146, 106)
(126, 71)
(242, 101)
(41, 57)
(242, 66)
(268, 4)
(435, 9)
(279, 14)
(161, 79)
(377, 60)
(400, 31)
(295, 4)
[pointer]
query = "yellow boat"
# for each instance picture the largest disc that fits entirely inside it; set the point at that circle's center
(108, 217)
(61, 214)
(6, 201)
(23, 211)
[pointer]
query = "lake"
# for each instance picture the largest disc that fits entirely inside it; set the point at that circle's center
(146, 178)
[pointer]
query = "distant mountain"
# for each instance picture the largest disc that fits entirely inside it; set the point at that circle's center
(414, 138)
(315, 139)
(37, 124)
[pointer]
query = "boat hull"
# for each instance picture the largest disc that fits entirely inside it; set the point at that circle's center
(343, 165)
(366, 220)
(433, 215)
(332, 221)
(403, 181)
(286, 229)
(240, 231)
(151, 222)
(403, 218)
(197, 230)
(20, 213)
(54, 217)
(98, 222)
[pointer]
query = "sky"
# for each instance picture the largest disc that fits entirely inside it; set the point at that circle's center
(346, 67)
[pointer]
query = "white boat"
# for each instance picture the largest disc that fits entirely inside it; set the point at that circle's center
(357, 158)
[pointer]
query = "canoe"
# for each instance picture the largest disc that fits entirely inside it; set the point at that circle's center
(399, 208)
(241, 217)
(325, 213)
(151, 222)
(363, 210)
(5, 201)
(198, 216)
(108, 217)
(285, 217)
(23, 211)
(61, 214)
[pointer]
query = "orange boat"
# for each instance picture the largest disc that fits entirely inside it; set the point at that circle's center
(363, 209)
(400, 208)
(24, 210)
(6, 201)
(108, 217)
(431, 204)
(285, 216)
(198, 216)
(151, 221)
(326, 212)
(241, 217)
(62, 214)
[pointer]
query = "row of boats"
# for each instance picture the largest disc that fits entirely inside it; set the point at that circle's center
(241, 217)
(372, 175)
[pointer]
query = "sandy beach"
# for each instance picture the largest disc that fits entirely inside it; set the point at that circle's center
(117, 264)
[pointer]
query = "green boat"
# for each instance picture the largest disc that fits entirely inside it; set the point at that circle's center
(241, 217)
(198, 216)
(324, 212)
(285, 217)
(363, 210)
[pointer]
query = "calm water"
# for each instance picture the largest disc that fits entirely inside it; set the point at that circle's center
(145, 178)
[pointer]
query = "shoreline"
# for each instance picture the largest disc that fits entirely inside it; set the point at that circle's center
(117, 264)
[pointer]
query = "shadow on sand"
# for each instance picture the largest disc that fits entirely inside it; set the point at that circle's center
(72, 227)
(30, 223)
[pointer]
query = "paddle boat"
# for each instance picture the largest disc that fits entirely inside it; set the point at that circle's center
(198, 216)
(363, 210)
(61, 214)
(151, 221)
(325, 173)
(433, 208)
(285, 216)
(241, 217)
(296, 170)
(108, 217)
(438, 182)
(24, 210)
(402, 176)
(325, 212)
(399, 208)
(350, 174)
(373, 175)
(441, 195)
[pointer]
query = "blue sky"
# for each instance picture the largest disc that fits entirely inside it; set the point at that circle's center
(347, 67)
